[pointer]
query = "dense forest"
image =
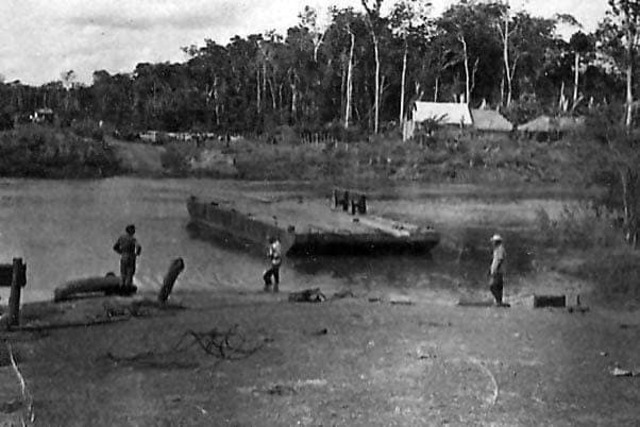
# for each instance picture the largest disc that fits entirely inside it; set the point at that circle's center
(360, 69)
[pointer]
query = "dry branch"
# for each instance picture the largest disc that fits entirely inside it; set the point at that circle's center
(229, 344)
(496, 390)
(26, 395)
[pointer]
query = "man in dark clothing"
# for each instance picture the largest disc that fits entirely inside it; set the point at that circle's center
(129, 249)
(496, 271)
(275, 256)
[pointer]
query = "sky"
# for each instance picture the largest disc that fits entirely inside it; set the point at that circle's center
(41, 39)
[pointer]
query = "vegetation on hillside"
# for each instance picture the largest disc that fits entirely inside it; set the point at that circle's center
(455, 157)
(45, 152)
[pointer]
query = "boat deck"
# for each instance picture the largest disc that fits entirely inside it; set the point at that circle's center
(306, 223)
(314, 216)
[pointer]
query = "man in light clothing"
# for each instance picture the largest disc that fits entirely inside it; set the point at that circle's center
(275, 256)
(496, 271)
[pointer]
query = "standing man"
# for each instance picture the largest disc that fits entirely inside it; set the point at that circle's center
(129, 249)
(274, 254)
(496, 271)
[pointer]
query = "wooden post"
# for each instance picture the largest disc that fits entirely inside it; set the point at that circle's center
(18, 280)
(176, 267)
(345, 201)
(362, 204)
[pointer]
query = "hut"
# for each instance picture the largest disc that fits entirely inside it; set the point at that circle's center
(541, 124)
(547, 128)
(490, 121)
(570, 124)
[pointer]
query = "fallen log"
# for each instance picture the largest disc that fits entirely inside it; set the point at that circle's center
(467, 302)
(108, 285)
(42, 326)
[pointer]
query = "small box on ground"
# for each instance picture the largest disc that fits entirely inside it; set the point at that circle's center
(541, 301)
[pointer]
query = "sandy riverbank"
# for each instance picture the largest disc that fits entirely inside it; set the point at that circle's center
(355, 361)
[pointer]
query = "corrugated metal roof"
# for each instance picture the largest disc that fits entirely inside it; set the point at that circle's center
(448, 113)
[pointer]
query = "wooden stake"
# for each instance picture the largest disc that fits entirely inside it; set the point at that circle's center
(176, 267)
(17, 282)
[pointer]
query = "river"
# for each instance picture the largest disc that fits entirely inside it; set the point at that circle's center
(66, 229)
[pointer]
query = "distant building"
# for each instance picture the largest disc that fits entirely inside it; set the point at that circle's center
(439, 113)
(455, 114)
(547, 127)
(490, 121)
(149, 136)
(445, 113)
(43, 115)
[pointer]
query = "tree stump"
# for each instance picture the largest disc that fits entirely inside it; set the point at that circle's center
(176, 267)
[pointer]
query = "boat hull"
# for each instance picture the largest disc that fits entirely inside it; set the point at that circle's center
(378, 236)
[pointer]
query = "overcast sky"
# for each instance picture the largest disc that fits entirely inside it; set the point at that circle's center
(39, 39)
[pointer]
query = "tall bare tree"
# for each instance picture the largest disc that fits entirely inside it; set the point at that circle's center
(373, 19)
(623, 21)
(406, 15)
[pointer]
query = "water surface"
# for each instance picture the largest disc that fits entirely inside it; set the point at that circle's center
(66, 230)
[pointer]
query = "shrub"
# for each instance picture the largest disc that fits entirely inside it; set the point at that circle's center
(579, 226)
(616, 275)
(6, 121)
(526, 108)
(88, 129)
(174, 160)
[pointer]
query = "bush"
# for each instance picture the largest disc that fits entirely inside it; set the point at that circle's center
(605, 259)
(174, 160)
(88, 129)
(528, 107)
(6, 121)
(616, 275)
(579, 227)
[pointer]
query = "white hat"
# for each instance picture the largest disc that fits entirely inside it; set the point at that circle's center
(496, 238)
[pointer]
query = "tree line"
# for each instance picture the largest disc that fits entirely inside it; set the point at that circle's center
(360, 70)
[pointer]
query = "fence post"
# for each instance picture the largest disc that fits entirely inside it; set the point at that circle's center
(17, 282)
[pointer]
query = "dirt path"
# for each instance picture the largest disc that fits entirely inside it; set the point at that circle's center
(348, 362)
(138, 157)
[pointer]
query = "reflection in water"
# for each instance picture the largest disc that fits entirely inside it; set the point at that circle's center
(66, 229)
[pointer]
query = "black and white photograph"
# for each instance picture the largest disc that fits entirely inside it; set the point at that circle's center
(319, 213)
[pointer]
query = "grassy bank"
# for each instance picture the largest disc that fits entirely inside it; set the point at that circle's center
(447, 158)
(549, 240)
(584, 242)
(46, 152)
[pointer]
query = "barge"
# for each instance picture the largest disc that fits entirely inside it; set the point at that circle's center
(307, 227)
